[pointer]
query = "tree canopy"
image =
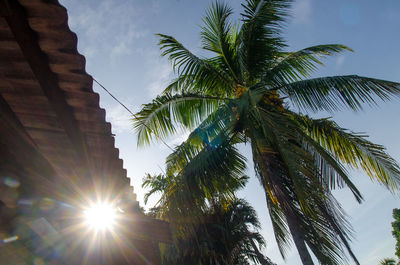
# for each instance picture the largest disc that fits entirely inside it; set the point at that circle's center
(247, 91)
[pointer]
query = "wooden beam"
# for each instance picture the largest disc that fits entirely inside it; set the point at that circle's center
(10, 121)
(28, 41)
(23, 149)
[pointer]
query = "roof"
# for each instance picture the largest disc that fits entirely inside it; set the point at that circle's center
(50, 100)
(55, 142)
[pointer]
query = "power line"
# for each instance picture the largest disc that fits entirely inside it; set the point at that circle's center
(125, 107)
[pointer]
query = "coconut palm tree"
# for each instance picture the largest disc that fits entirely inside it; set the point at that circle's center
(209, 229)
(228, 234)
(247, 91)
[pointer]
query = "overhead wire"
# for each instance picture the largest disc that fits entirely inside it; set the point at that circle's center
(131, 112)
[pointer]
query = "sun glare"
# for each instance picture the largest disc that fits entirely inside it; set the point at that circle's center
(100, 216)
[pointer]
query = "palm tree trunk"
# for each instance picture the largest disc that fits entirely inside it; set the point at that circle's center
(299, 241)
(273, 169)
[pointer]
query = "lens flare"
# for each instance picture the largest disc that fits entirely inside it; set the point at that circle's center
(100, 216)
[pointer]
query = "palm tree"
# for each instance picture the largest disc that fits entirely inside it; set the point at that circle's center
(212, 230)
(246, 93)
(223, 237)
(387, 261)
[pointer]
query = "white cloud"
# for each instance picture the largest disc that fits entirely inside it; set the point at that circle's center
(119, 118)
(108, 27)
(124, 42)
(302, 10)
(160, 72)
(340, 60)
(382, 250)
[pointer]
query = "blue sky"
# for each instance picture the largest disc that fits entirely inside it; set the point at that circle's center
(117, 39)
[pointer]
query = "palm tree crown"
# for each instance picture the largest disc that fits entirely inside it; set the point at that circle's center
(208, 228)
(387, 261)
(247, 93)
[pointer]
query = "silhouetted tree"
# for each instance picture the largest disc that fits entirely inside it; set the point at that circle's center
(396, 230)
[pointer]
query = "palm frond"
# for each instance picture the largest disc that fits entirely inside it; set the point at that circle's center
(336, 217)
(186, 64)
(354, 150)
(387, 261)
(291, 179)
(293, 66)
(216, 167)
(281, 230)
(222, 237)
(216, 37)
(335, 92)
(210, 171)
(215, 127)
(157, 184)
(260, 34)
(204, 84)
(324, 229)
(161, 117)
(329, 170)
(281, 135)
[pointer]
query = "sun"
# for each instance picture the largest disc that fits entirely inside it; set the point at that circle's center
(100, 216)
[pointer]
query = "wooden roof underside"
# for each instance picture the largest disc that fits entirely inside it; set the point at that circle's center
(49, 95)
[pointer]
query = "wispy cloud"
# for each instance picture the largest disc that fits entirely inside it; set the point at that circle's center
(158, 70)
(302, 10)
(340, 60)
(124, 42)
(160, 76)
(382, 250)
(94, 22)
(120, 119)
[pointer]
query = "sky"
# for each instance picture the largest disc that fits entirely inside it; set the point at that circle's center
(117, 37)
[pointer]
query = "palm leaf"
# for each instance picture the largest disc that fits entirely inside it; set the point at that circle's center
(157, 184)
(291, 175)
(160, 117)
(335, 92)
(214, 128)
(216, 37)
(387, 261)
(293, 66)
(354, 150)
(281, 230)
(260, 34)
(188, 65)
(206, 169)
(329, 170)
(336, 217)
(215, 167)
(203, 84)
(282, 137)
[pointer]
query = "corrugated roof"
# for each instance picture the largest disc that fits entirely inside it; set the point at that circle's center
(44, 81)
